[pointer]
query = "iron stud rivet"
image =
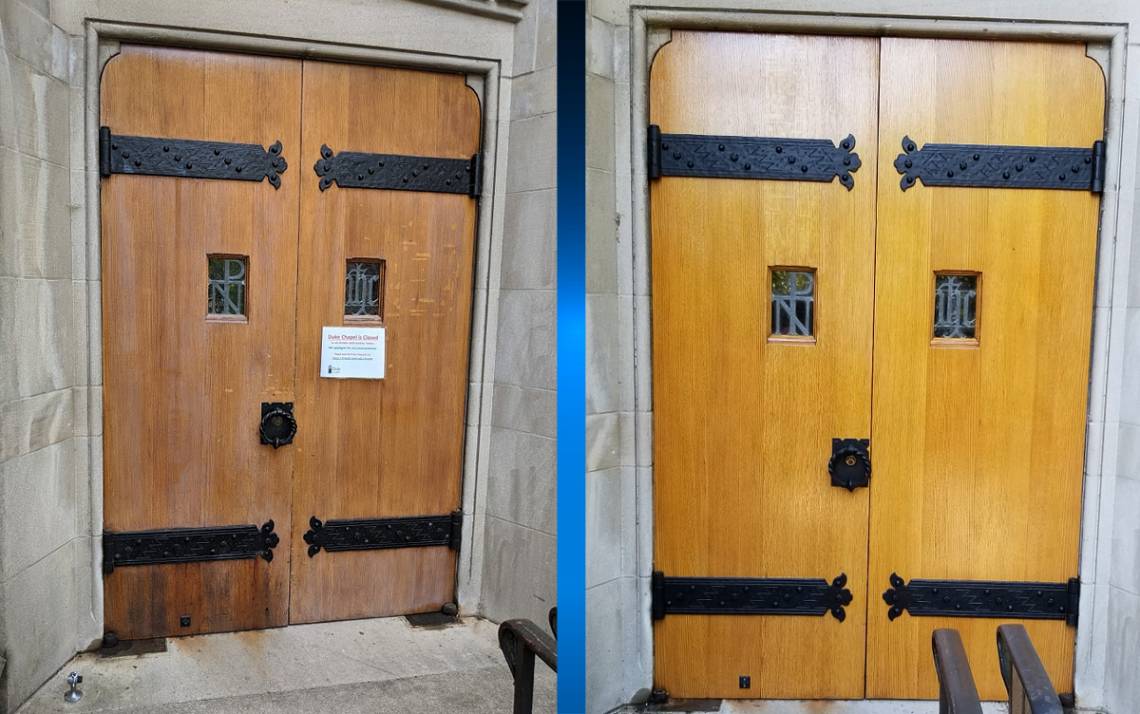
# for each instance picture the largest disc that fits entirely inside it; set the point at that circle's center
(1005, 174)
(976, 157)
(791, 159)
(803, 168)
(360, 177)
(189, 165)
(665, 146)
(217, 152)
(1032, 159)
(690, 164)
(734, 157)
(908, 163)
(962, 165)
(114, 146)
(676, 154)
(1061, 177)
(371, 171)
(126, 154)
(950, 173)
(1076, 169)
(1088, 159)
(909, 146)
(178, 157)
(165, 149)
(846, 144)
(779, 149)
(1019, 167)
(227, 161)
(381, 164)
(720, 147)
(847, 162)
(748, 167)
(138, 163)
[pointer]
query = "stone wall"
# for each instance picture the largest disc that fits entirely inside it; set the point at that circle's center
(46, 383)
(519, 568)
(619, 432)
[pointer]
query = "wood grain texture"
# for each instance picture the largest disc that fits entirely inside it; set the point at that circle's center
(370, 449)
(743, 424)
(979, 451)
(182, 396)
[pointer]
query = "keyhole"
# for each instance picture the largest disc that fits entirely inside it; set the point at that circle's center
(850, 461)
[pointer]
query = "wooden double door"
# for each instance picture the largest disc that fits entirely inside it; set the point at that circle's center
(250, 205)
(872, 295)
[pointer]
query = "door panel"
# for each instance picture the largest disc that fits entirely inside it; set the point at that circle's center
(743, 422)
(182, 394)
(373, 449)
(979, 447)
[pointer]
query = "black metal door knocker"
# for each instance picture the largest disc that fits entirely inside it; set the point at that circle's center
(850, 463)
(278, 427)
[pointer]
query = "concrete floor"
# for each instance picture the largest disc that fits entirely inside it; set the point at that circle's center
(380, 665)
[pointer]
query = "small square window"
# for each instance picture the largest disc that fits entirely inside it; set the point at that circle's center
(225, 295)
(956, 306)
(793, 302)
(364, 289)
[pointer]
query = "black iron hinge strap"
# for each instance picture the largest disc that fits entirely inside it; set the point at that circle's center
(356, 169)
(187, 545)
(189, 158)
(380, 533)
(748, 596)
(984, 598)
(998, 166)
(750, 157)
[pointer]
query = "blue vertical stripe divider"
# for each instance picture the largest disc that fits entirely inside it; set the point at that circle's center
(571, 357)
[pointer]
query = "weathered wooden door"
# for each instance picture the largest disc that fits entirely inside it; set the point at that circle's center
(243, 486)
(950, 287)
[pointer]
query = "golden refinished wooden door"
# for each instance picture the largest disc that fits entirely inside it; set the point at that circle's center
(287, 281)
(745, 409)
(935, 300)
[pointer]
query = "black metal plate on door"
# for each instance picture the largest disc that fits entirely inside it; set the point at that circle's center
(355, 169)
(378, 533)
(189, 158)
(984, 598)
(749, 596)
(998, 166)
(278, 425)
(850, 463)
(750, 157)
(187, 545)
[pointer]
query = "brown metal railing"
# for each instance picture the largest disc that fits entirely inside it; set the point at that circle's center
(521, 640)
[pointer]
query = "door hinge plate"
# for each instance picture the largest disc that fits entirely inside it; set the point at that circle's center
(749, 157)
(189, 158)
(356, 169)
(984, 598)
(381, 533)
(187, 545)
(998, 166)
(749, 596)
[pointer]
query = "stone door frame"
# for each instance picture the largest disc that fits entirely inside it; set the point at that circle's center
(485, 78)
(651, 28)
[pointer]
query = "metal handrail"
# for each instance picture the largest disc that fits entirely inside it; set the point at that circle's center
(520, 640)
(957, 693)
(1026, 682)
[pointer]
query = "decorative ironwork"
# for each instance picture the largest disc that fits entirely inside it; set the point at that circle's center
(355, 169)
(226, 292)
(187, 545)
(850, 463)
(189, 158)
(363, 288)
(997, 166)
(750, 157)
(984, 598)
(278, 425)
(955, 305)
(375, 533)
(793, 302)
(749, 596)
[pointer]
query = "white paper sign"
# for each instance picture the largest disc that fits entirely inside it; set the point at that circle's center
(352, 352)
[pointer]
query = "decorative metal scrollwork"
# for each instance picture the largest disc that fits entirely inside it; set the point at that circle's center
(750, 157)
(749, 596)
(355, 169)
(850, 463)
(187, 545)
(984, 598)
(379, 533)
(997, 166)
(189, 158)
(278, 426)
